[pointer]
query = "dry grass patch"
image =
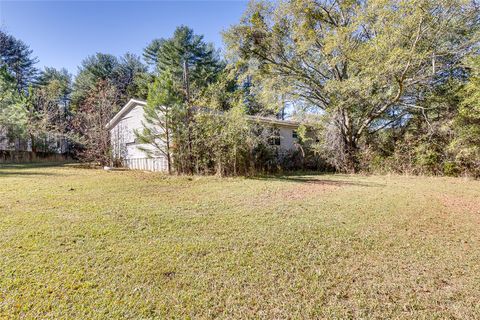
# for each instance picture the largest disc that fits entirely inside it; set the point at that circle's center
(461, 204)
(79, 243)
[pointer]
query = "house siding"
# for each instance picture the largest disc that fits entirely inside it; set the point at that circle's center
(132, 156)
(287, 142)
(125, 147)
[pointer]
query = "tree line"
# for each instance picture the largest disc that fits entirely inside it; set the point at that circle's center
(381, 86)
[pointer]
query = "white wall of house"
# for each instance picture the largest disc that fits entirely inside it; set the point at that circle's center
(287, 142)
(130, 122)
(131, 117)
(126, 147)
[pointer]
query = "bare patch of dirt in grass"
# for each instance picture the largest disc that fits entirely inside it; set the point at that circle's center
(458, 204)
(297, 191)
(308, 189)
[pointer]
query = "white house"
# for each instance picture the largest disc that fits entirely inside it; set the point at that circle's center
(130, 118)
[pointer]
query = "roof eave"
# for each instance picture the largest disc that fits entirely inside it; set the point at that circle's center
(283, 123)
(126, 108)
(134, 102)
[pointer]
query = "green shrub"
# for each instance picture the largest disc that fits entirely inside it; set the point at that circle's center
(450, 168)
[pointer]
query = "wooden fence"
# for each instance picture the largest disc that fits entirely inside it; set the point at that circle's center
(10, 156)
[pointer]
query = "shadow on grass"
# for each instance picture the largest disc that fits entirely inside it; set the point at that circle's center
(27, 169)
(316, 178)
(26, 173)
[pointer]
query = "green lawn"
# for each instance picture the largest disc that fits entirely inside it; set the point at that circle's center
(91, 244)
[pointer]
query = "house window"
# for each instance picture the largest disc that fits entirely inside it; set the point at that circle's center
(274, 139)
(294, 134)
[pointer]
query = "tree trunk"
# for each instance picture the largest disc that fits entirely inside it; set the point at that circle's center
(235, 160)
(33, 145)
(186, 81)
(351, 155)
(169, 157)
(341, 140)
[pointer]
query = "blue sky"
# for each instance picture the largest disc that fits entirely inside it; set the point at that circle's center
(63, 33)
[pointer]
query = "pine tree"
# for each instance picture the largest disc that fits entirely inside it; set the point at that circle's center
(160, 118)
(123, 73)
(185, 66)
(13, 112)
(17, 58)
(185, 48)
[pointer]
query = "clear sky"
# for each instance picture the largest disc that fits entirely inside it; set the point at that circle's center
(63, 33)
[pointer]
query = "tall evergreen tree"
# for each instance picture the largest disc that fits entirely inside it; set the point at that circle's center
(185, 50)
(161, 118)
(184, 67)
(49, 110)
(89, 123)
(13, 114)
(17, 58)
(59, 83)
(123, 73)
(151, 52)
(111, 80)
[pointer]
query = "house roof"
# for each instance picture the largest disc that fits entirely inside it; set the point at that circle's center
(258, 119)
(126, 109)
(274, 121)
